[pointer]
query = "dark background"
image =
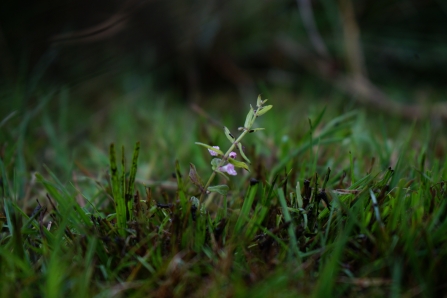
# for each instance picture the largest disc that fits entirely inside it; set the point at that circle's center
(199, 48)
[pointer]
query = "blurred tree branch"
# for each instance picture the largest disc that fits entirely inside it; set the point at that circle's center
(355, 82)
(306, 13)
(358, 86)
(351, 39)
(113, 25)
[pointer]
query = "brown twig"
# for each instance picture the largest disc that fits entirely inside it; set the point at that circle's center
(358, 86)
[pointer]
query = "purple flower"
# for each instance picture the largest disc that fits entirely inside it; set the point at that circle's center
(229, 168)
(233, 154)
(214, 153)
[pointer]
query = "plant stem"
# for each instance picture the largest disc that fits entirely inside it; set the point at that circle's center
(225, 157)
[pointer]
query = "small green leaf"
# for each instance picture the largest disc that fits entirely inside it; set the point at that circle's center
(221, 189)
(259, 101)
(249, 119)
(263, 110)
(210, 147)
(255, 129)
(238, 164)
(194, 201)
(215, 163)
(230, 137)
(239, 145)
(195, 178)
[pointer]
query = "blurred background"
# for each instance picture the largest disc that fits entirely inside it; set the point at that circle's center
(74, 72)
(197, 49)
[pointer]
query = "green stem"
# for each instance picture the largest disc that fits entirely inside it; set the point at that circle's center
(225, 157)
(227, 154)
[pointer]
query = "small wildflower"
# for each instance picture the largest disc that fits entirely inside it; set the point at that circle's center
(233, 154)
(214, 153)
(229, 168)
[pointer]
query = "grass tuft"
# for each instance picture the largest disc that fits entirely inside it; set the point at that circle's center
(323, 212)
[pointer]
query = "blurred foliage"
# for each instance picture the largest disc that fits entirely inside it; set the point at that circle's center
(202, 47)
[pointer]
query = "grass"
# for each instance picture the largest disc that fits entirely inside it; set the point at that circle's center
(337, 203)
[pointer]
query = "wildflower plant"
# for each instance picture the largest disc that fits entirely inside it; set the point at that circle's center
(226, 163)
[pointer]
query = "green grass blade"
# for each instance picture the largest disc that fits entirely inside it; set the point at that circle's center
(246, 207)
(120, 203)
(131, 184)
(291, 230)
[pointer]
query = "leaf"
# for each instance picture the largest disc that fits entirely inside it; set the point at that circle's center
(133, 173)
(195, 178)
(230, 137)
(238, 164)
(249, 119)
(263, 110)
(215, 163)
(259, 101)
(221, 189)
(194, 201)
(255, 129)
(210, 148)
(120, 203)
(239, 145)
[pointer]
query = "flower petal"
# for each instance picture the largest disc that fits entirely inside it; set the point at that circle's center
(214, 153)
(229, 169)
